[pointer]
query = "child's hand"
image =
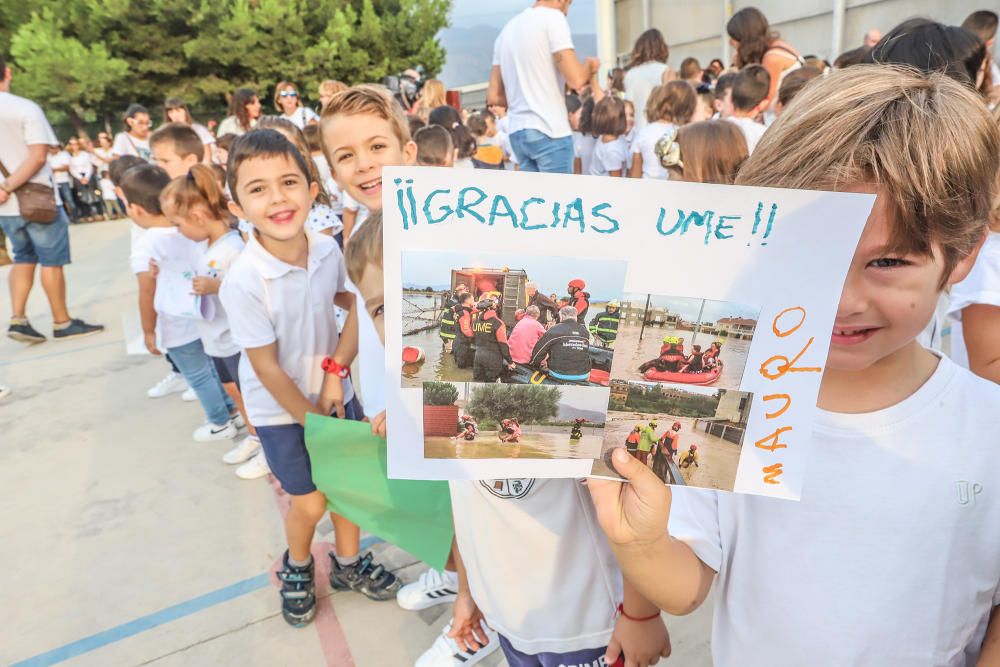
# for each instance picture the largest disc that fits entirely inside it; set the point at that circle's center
(466, 624)
(150, 339)
(331, 397)
(639, 643)
(202, 285)
(634, 514)
(378, 425)
(154, 269)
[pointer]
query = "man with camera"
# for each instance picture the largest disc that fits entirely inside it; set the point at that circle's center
(532, 60)
(37, 227)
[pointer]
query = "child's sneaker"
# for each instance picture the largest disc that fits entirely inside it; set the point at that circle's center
(243, 450)
(430, 589)
(254, 468)
(364, 576)
(444, 652)
(172, 383)
(239, 422)
(210, 432)
(298, 592)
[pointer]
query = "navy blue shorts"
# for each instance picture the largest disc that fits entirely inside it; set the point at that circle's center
(228, 369)
(589, 656)
(285, 450)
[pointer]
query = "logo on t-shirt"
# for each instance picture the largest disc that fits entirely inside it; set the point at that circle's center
(967, 492)
(509, 489)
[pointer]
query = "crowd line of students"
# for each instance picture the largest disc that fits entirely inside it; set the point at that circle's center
(883, 561)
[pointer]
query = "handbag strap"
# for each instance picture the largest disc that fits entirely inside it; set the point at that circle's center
(3, 170)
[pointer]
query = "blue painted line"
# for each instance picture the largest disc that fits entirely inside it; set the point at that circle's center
(69, 350)
(144, 623)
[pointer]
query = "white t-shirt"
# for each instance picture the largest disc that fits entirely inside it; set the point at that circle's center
(371, 359)
(203, 134)
(269, 301)
(231, 125)
(22, 124)
(214, 262)
(892, 557)
(107, 189)
(639, 83)
(533, 85)
(102, 158)
(301, 117)
(60, 159)
(751, 129)
(608, 156)
(126, 144)
(981, 286)
(464, 163)
(539, 566)
(81, 165)
(169, 248)
(583, 148)
(645, 145)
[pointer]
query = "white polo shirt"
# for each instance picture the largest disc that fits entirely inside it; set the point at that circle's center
(268, 301)
(169, 248)
(214, 262)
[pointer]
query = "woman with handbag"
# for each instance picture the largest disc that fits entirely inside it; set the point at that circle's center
(84, 175)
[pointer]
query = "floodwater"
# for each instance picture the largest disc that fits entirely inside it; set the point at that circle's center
(717, 458)
(630, 353)
(536, 442)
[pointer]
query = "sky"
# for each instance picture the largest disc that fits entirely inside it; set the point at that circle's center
(604, 278)
(468, 13)
(688, 308)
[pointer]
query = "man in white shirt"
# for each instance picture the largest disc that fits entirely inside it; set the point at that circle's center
(59, 164)
(25, 137)
(533, 59)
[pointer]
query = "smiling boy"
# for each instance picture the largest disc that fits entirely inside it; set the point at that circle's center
(892, 556)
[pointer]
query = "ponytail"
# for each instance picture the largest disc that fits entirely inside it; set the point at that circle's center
(199, 187)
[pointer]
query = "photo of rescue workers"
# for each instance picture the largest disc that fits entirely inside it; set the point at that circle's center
(688, 435)
(487, 317)
(683, 340)
(466, 420)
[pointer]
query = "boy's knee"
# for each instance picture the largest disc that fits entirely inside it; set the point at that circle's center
(311, 505)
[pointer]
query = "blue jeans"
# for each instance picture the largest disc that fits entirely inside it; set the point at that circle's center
(66, 194)
(199, 371)
(36, 242)
(538, 152)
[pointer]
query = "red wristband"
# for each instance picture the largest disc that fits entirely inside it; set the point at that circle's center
(333, 368)
(621, 610)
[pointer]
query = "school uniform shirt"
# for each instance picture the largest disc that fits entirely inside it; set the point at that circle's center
(583, 148)
(269, 301)
(981, 286)
(534, 86)
(125, 144)
(608, 156)
(891, 557)
(645, 145)
(168, 247)
(60, 159)
(214, 262)
(22, 124)
(539, 566)
(751, 129)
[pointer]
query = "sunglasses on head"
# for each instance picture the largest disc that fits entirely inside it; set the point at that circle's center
(288, 93)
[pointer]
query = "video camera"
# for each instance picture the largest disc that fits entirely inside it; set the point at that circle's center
(406, 85)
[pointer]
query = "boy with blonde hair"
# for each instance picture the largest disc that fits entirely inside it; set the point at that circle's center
(895, 561)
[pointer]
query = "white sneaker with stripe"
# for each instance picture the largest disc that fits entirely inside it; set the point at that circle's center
(432, 588)
(444, 652)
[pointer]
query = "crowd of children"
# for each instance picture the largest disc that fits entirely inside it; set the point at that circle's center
(278, 235)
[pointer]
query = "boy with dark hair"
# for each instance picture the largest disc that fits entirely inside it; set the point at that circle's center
(794, 82)
(749, 100)
(917, 581)
(722, 101)
(434, 147)
(176, 148)
(281, 373)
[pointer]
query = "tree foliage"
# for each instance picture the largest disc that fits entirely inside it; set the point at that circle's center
(125, 51)
(527, 403)
(440, 393)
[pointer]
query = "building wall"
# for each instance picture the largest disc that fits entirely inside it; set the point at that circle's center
(695, 27)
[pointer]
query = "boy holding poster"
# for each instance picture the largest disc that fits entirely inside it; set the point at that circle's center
(891, 556)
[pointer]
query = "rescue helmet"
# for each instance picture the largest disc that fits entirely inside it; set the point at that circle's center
(613, 303)
(577, 283)
(676, 426)
(486, 303)
(694, 448)
(653, 423)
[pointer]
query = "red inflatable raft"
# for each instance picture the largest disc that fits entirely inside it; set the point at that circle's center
(705, 378)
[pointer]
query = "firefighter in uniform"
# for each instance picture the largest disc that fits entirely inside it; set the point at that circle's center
(464, 335)
(604, 326)
(492, 351)
(579, 299)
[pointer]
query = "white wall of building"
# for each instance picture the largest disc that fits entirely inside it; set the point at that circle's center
(696, 27)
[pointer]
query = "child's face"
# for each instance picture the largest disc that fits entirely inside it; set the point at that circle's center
(274, 195)
(629, 118)
(222, 155)
(371, 288)
(189, 224)
(888, 298)
(491, 127)
(166, 157)
(359, 145)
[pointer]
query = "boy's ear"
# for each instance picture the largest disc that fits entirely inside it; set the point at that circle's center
(313, 190)
(759, 109)
(964, 266)
(409, 153)
(236, 210)
(135, 210)
(190, 160)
